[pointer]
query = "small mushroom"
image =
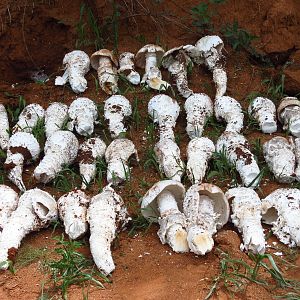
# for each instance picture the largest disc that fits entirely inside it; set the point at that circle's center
(206, 210)
(164, 110)
(60, 149)
(199, 108)
(23, 148)
(4, 128)
(126, 62)
(106, 64)
(36, 210)
(83, 112)
(280, 157)
(29, 118)
(77, 64)
(264, 111)
(56, 115)
(177, 61)
(237, 150)
(281, 209)
(117, 155)
(116, 108)
(297, 155)
(228, 109)
(199, 152)
(288, 113)
(107, 215)
(163, 203)
(89, 152)
(148, 57)
(72, 208)
(246, 216)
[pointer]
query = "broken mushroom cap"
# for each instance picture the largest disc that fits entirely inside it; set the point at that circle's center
(102, 53)
(140, 57)
(284, 103)
(170, 56)
(149, 205)
(208, 42)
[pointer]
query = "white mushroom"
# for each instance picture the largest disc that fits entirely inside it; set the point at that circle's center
(199, 108)
(89, 152)
(163, 204)
(105, 62)
(229, 110)
(76, 65)
(8, 203)
(199, 152)
(206, 210)
(36, 210)
(116, 108)
(23, 148)
(148, 57)
(72, 208)
(281, 209)
(297, 154)
(83, 112)
(280, 157)
(126, 62)
(4, 128)
(164, 110)
(246, 216)
(264, 111)
(60, 149)
(288, 113)
(168, 156)
(237, 150)
(177, 61)
(107, 215)
(117, 155)
(56, 115)
(29, 118)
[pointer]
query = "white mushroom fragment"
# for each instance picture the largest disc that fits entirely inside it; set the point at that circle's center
(83, 112)
(199, 108)
(89, 152)
(116, 108)
(206, 210)
(72, 209)
(36, 210)
(237, 150)
(106, 64)
(4, 128)
(107, 215)
(177, 61)
(29, 118)
(60, 149)
(126, 62)
(163, 204)
(148, 57)
(246, 216)
(281, 209)
(199, 152)
(23, 148)
(297, 155)
(55, 117)
(76, 65)
(229, 110)
(288, 113)
(280, 157)
(164, 110)
(264, 111)
(117, 155)
(168, 156)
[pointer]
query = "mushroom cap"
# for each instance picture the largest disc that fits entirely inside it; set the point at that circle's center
(168, 57)
(140, 57)
(199, 101)
(208, 42)
(285, 102)
(104, 53)
(149, 207)
(117, 104)
(128, 54)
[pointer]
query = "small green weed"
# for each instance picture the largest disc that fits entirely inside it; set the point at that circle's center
(67, 180)
(139, 223)
(136, 116)
(202, 15)
(213, 129)
(28, 255)
(14, 111)
(39, 131)
(101, 169)
(275, 88)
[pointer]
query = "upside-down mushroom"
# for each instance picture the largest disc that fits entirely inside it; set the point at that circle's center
(4, 128)
(126, 63)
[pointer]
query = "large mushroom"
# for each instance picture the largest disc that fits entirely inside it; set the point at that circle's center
(163, 203)
(106, 64)
(126, 62)
(4, 128)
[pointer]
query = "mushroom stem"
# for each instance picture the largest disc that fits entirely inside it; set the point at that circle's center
(297, 154)
(4, 128)
(220, 80)
(127, 66)
(151, 62)
(166, 129)
(88, 172)
(15, 173)
(107, 76)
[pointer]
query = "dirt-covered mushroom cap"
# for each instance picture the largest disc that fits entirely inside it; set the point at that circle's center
(208, 42)
(102, 53)
(284, 103)
(140, 57)
(149, 204)
(170, 56)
